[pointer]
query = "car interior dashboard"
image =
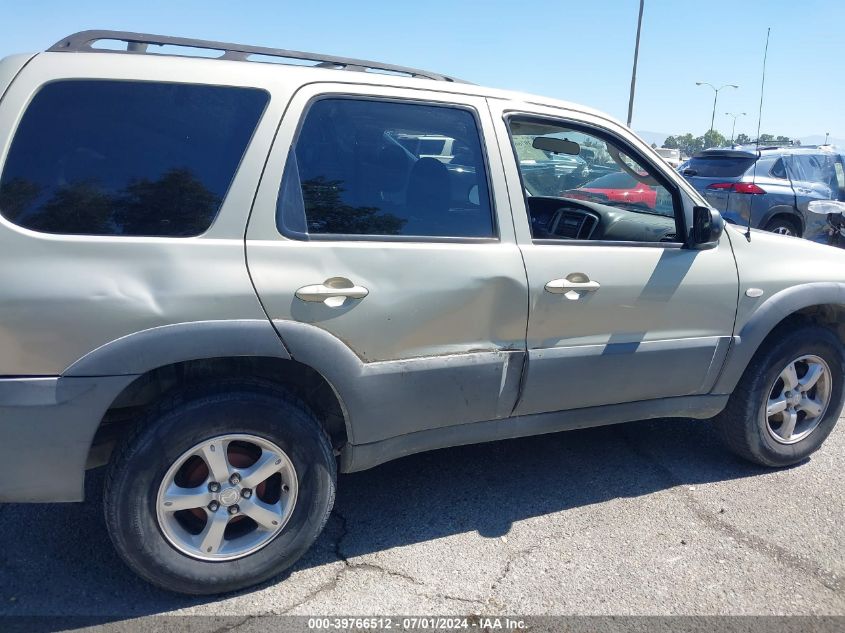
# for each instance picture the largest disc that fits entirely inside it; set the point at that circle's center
(566, 219)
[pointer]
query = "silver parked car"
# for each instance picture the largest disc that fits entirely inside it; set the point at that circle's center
(772, 187)
(228, 280)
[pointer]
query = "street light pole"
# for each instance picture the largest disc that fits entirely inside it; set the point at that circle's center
(634, 71)
(733, 129)
(715, 97)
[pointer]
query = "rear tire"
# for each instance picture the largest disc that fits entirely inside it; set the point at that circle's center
(250, 421)
(751, 425)
(784, 226)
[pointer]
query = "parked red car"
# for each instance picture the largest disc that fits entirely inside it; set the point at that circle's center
(615, 187)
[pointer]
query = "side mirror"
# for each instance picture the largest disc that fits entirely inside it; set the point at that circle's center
(707, 228)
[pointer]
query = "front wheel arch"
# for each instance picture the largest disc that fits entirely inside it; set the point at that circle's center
(820, 302)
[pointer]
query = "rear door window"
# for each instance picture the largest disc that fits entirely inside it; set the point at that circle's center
(366, 167)
(127, 158)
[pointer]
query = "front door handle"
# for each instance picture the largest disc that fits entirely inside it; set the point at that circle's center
(565, 285)
(333, 292)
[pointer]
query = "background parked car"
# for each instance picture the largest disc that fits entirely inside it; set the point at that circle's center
(774, 189)
(615, 187)
(671, 156)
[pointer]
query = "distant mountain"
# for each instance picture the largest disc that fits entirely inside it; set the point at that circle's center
(818, 139)
(653, 137)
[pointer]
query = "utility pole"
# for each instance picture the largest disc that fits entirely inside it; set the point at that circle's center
(634, 71)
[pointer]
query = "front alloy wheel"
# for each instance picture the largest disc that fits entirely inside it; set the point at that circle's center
(789, 398)
(798, 399)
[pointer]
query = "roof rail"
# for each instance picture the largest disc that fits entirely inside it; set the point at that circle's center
(138, 43)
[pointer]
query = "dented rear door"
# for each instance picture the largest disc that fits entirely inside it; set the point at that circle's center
(407, 260)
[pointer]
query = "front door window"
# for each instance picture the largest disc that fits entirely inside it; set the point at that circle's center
(580, 185)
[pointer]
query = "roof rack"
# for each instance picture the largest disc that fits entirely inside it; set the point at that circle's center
(138, 43)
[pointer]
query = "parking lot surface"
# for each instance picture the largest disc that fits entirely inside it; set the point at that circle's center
(645, 518)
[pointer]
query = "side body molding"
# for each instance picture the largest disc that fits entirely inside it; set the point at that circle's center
(386, 399)
(765, 318)
(148, 349)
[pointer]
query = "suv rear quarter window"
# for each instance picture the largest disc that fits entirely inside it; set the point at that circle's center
(127, 158)
(779, 170)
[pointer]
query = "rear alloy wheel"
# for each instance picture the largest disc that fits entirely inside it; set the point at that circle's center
(219, 488)
(226, 497)
(783, 226)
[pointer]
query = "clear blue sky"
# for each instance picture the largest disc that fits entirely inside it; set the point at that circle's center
(576, 50)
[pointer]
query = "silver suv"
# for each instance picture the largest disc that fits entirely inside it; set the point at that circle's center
(226, 280)
(772, 187)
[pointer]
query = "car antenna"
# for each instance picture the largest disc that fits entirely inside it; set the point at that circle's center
(757, 142)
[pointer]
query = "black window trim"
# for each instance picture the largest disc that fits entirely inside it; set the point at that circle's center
(113, 236)
(342, 237)
(607, 136)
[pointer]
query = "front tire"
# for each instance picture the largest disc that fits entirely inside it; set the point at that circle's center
(220, 488)
(789, 398)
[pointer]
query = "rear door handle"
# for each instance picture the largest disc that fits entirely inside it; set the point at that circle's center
(333, 292)
(562, 286)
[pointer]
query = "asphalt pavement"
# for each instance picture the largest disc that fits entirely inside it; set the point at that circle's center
(646, 518)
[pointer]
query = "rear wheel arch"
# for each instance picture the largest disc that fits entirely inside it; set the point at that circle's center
(784, 213)
(150, 387)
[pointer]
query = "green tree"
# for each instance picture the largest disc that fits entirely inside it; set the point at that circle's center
(17, 196)
(176, 204)
(687, 143)
(76, 208)
(328, 213)
(713, 139)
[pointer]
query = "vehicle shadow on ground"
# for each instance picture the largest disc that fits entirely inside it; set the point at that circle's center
(61, 561)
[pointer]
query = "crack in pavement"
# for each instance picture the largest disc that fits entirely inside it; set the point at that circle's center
(825, 577)
(349, 566)
(236, 625)
(512, 557)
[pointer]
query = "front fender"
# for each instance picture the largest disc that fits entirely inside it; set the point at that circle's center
(774, 310)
